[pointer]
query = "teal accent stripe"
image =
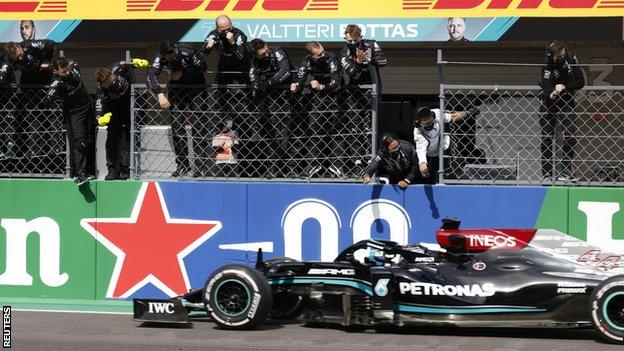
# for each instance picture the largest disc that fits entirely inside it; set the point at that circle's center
(466, 310)
(62, 30)
(289, 281)
(496, 29)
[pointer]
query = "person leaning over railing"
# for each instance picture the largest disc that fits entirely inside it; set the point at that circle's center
(231, 43)
(186, 67)
(397, 160)
(67, 86)
(323, 117)
(270, 67)
(32, 58)
(7, 110)
(560, 79)
(427, 135)
(113, 110)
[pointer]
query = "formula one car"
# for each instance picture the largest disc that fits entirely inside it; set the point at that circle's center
(476, 278)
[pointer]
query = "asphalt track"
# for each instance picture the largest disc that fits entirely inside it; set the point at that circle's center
(87, 331)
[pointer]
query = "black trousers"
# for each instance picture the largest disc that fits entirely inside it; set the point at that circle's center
(548, 122)
(270, 121)
(81, 136)
(8, 120)
(324, 126)
(118, 141)
(184, 103)
(356, 125)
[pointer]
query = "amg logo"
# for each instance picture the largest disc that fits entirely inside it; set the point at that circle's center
(491, 240)
(161, 307)
(424, 259)
(428, 289)
(331, 271)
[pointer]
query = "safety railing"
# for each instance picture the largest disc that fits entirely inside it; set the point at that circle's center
(226, 132)
(32, 135)
(521, 140)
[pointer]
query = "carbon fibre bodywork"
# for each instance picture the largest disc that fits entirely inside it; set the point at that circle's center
(473, 278)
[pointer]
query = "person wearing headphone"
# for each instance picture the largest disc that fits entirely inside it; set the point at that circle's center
(561, 78)
(427, 138)
(396, 160)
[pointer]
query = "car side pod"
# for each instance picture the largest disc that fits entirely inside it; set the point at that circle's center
(160, 311)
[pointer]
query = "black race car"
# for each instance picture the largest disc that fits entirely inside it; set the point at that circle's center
(477, 278)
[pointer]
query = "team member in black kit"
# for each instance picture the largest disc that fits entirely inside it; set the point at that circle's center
(32, 59)
(360, 56)
(78, 109)
(113, 110)
(270, 67)
(396, 160)
(233, 68)
(7, 108)
(324, 68)
(186, 67)
(561, 78)
(231, 43)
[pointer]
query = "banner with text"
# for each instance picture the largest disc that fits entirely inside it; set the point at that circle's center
(303, 9)
(392, 29)
(158, 239)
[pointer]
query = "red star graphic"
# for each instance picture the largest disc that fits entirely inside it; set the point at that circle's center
(149, 245)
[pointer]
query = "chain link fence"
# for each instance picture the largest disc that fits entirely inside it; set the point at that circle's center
(518, 140)
(32, 138)
(225, 132)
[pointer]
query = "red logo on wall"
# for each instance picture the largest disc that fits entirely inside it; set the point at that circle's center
(34, 6)
(149, 245)
(507, 4)
(238, 5)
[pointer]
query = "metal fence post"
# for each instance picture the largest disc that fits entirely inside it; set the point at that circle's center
(68, 156)
(441, 142)
(374, 122)
(132, 141)
(132, 128)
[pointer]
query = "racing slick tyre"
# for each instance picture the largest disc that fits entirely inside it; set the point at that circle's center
(606, 309)
(238, 297)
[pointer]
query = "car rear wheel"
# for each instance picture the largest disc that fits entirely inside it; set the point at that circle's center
(606, 308)
(238, 297)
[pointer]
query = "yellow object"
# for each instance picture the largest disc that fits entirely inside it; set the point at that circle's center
(140, 63)
(104, 120)
(310, 9)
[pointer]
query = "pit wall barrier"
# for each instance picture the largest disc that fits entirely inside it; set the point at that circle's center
(121, 240)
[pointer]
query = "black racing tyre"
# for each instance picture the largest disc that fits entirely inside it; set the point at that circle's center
(238, 297)
(606, 309)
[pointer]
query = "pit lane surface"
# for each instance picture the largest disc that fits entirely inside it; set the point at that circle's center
(81, 331)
